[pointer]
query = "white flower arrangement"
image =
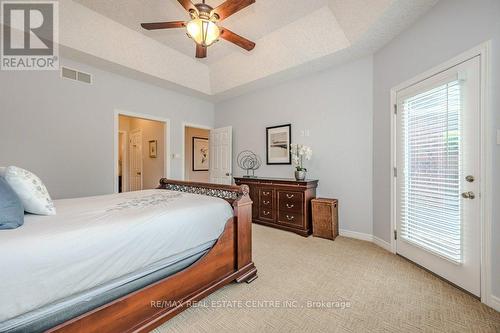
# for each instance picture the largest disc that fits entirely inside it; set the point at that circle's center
(299, 153)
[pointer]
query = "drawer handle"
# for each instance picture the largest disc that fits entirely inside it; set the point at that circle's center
(266, 213)
(290, 217)
(289, 206)
(265, 202)
(289, 196)
(265, 193)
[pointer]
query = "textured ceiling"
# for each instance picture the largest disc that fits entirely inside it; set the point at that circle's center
(253, 22)
(290, 34)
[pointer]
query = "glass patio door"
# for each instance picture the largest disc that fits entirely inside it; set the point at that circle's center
(438, 155)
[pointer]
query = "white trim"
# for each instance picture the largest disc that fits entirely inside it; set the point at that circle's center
(494, 302)
(366, 237)
(356, 235)
(483, 51)
(183, 144)
(382, 243)
(117, 113)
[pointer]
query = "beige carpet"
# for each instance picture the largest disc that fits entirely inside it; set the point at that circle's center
(368, 290)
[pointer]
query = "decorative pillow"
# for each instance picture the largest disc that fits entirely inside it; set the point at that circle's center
(30, 189)
(11, 208)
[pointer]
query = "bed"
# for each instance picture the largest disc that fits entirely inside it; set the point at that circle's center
(124, 262)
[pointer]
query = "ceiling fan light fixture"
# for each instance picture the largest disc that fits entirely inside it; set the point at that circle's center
(203, 32)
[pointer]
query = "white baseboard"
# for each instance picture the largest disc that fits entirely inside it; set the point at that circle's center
(382, 243)
(356, 235)
(366, 237)
(494, 302)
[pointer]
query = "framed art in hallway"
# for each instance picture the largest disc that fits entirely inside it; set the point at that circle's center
(153, 148)
(200, 154)
(278, 139)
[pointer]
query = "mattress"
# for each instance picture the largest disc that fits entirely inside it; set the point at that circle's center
(96, 245)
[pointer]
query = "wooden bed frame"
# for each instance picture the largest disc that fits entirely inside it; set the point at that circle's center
(230, 259)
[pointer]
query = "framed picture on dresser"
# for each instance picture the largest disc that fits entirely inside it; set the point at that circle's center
(278, 140)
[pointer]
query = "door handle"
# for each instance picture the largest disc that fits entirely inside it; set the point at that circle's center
(468, 195)
(138, 174)
(228, 174)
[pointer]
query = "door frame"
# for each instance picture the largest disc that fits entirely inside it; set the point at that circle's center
(117, 113)
(483, 51)
(183, 144)
(125, 166)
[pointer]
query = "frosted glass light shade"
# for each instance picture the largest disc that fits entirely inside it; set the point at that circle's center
(203, 32)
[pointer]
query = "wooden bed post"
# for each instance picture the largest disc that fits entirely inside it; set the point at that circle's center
(243, 217)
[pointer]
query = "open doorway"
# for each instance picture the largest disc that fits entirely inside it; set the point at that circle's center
(196, 153)
(142, 155)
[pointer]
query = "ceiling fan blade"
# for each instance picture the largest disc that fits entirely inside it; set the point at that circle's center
(201, 51)
(237, 39)
(188, 5)
(230, 7)
(163, 25)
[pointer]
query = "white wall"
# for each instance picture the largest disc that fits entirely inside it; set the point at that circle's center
(63, 130)
(450, 28)
(336, 107)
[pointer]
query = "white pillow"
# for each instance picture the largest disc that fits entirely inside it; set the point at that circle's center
(30, 189)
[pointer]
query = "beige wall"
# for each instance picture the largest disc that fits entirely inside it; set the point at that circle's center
(189, 174)
(152, 168)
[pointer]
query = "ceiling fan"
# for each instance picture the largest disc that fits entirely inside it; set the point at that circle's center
(203, 27)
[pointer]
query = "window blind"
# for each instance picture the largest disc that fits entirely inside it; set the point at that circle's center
(430, 199)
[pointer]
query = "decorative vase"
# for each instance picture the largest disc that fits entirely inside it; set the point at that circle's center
(300, 175)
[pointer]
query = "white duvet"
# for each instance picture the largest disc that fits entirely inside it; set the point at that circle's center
(94, 240)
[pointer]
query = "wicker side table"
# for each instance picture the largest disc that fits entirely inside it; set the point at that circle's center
(325, 221)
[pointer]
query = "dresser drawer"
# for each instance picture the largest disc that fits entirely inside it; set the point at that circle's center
(266, 214)
(291, 218)
(290, 197)
(290, 201)
(265, 193)
(291, 206)
(282, 203)
(267, 203)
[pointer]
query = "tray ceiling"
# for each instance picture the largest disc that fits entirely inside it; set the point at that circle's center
(290, 34)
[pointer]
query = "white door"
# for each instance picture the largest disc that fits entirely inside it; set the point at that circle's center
(135, 158)
(438, 174)
(220, 152)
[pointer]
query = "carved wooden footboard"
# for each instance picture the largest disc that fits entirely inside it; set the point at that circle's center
(230, 259)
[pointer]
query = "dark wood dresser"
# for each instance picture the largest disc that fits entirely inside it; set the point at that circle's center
(282, 203)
